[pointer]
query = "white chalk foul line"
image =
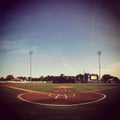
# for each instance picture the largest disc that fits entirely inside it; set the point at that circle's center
(57, 96)
(73, 95)
(65, 96)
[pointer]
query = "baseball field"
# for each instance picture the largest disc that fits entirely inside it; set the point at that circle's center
(34, 101)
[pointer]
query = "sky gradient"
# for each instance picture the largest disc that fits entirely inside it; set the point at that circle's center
(64, 36)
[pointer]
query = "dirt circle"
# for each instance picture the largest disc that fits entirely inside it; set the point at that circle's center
(62, 99)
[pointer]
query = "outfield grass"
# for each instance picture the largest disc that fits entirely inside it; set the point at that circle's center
(87, 88)
(54, 87)
(36, 86)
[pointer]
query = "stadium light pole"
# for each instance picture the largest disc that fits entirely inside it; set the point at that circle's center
(30, 53)
(99, 54)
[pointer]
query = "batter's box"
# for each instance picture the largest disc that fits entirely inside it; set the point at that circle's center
(63, 96)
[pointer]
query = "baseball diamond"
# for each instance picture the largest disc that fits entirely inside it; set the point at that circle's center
(61, 97)
(51, 101)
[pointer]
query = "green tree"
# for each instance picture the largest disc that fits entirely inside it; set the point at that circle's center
(106, 77)
(10, 77)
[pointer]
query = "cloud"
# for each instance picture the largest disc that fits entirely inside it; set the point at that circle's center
(66, 65)
(20, 51)
(11, 44)
(113, 69)
(69, 69)
(20, 46)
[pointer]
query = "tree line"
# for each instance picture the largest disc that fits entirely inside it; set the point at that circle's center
(80, 78)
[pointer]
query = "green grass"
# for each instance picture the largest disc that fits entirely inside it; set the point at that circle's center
(53, 87)
(87, 88)
(35, 86)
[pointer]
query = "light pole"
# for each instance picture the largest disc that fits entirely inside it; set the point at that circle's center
(30, 53)
(99, 53)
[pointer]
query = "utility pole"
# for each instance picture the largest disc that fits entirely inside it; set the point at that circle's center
(99, 60)
(30, 53)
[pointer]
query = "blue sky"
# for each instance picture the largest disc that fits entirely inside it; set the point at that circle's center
(64, 36)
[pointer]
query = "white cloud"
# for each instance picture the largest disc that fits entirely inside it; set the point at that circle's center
(67, 66)
(11, 46)
(69, 70)
(113, 69)
(16, 46)
(20, 51)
